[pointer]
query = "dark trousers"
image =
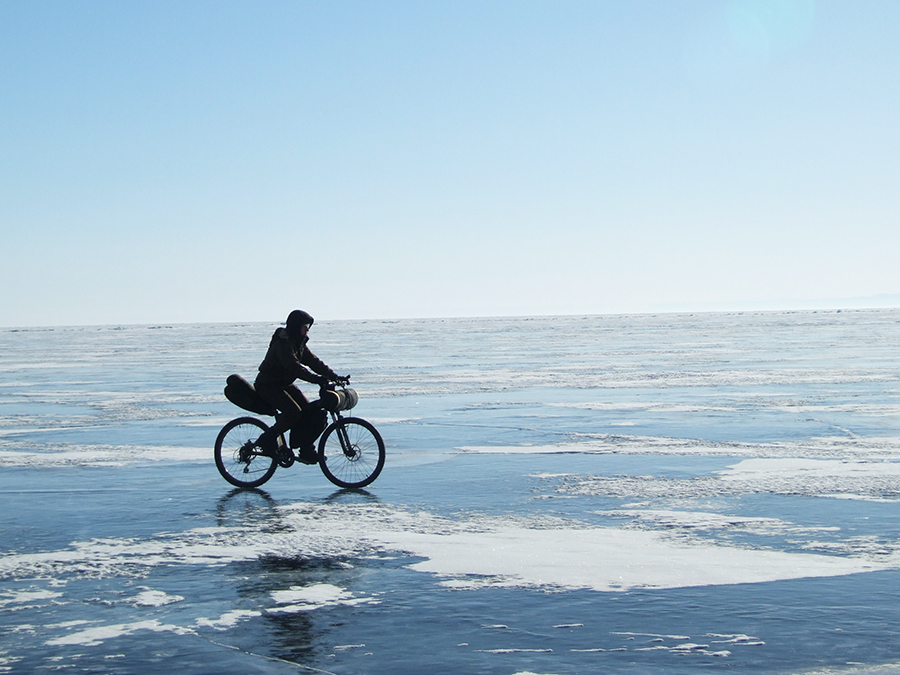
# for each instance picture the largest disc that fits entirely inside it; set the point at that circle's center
(289, 400)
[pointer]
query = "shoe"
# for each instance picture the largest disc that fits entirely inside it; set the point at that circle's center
(308, 455)
(268, 444)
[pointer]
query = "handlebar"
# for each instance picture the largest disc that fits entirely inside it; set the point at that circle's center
(341, 381)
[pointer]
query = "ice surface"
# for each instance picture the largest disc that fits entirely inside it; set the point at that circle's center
(876, 449)
(468, 553)
(847, 478)
(574, 494)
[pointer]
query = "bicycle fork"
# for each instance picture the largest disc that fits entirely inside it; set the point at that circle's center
(343, 436)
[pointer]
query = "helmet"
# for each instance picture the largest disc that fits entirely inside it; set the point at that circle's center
(296, 319)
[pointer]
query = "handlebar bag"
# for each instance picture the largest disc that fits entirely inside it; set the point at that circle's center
(341, 399)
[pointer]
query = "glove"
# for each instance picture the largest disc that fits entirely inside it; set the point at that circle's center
(342, 379)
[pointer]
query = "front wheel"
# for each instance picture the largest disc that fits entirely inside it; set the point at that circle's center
(238, 458)
(351, 453)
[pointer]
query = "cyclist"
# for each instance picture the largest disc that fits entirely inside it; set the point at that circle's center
(287, 360)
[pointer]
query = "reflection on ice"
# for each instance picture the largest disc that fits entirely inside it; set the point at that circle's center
(473, 552)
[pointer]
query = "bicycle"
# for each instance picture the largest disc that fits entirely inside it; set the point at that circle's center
(350, 450)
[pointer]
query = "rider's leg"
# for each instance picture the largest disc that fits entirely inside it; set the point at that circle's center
(307, 451)
(297, 396)
(285, 401)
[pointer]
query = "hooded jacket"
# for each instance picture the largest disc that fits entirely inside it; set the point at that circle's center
(287, 360)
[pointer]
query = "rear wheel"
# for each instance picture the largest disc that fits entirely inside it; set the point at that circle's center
(238, 458)
(351, 453)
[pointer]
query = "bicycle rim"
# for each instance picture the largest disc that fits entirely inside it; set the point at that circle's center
(351, 453)
(237, 459)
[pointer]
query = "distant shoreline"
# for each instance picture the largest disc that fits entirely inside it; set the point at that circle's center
(871, 303)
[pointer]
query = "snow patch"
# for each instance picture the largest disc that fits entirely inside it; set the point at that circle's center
(151, 598)
(23, 597)
(307, 598)
(228, 619)
(603, 559)
(101, 455)
(91, 637)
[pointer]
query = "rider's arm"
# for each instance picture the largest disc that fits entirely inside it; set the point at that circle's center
(316, 364)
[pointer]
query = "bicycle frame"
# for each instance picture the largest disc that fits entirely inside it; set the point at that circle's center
(335, 418)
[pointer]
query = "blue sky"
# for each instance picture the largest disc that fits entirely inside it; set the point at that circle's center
(229, 161)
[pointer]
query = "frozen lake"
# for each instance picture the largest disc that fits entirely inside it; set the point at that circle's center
(562, 495)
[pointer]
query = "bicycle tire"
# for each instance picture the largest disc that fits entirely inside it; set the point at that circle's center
(365, 459)
(237, 459)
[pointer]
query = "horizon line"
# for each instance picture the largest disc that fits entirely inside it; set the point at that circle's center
(837, 306)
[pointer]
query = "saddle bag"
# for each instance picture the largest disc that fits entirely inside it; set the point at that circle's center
(243, 395)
